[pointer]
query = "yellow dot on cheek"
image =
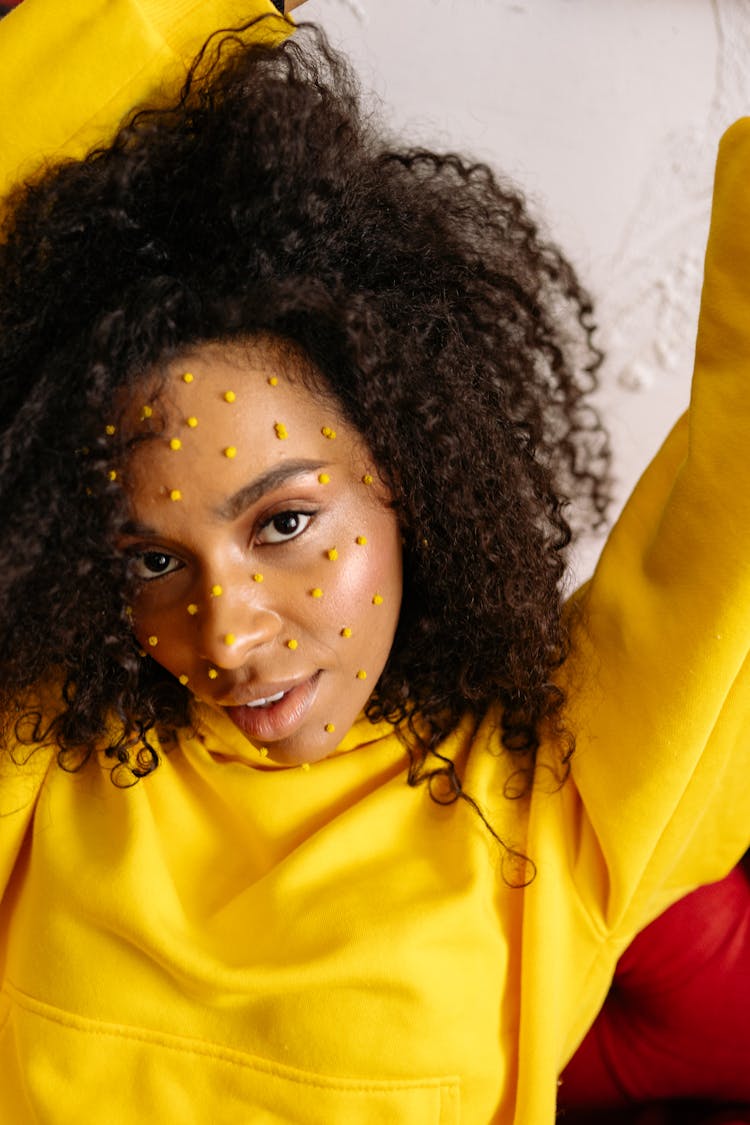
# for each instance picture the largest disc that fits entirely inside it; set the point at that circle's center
(332, 554)
(153, 641)
(324, 478)
(229, 638)
(367, 479)
(187, 377)
(230, 452)
(377, 599)
(273, 381)
(192, 421)
(361, 540)
(175, 494)
(192, 609)
(175, 443)
(281, 431)
(212, 673)
(216, 591)
(183, 679)
(346, 632)
(316, 592)
(327, 432)
(361, 674)
(146, 412)
(257, 578)
(292, 644)
(329, 728)
(229, 396)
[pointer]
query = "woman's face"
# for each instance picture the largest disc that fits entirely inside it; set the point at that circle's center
(268, 558)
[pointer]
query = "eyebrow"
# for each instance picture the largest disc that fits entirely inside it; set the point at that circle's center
(250, 493)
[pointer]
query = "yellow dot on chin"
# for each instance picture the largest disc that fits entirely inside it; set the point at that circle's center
(316, 592)
(229, 396)
(183, 679)
(346, 632)
(377, 599)
(192, 608)
(361, 674)
(175, 494)
(146, 412)
(332, 554)
(230, 451)
(212, 673)
(329, 728)
(187, 377)
(367, 479)
(229, 639)
(192, 421)
(281, 431)
(361, 540)
(257, 578)
(175, 443)
(273, 381)
(153, 641)
(216, 591)
(292, 644)
(324, 478)
(109, 430)
(112, 474)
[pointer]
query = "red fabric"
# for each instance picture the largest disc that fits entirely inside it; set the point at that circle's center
(676, 1023)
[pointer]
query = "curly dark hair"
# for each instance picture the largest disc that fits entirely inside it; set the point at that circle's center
(456, 339)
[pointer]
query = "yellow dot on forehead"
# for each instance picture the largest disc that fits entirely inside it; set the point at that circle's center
(230, 451)
(183, 679)
(212, 673)
(346, 632)
(146, 412)
(273, 381)
(327, 432)
(316, 592)
(367, 479)
(377, 599)
(324, 478)
(192, 421)
(109, 430)
(292, 644)
(329, 727)
(153, 641)
(332, 554)
(216, 591)
(229, 396)
(281, 431)
(229, 639)
(361, 540)
(175, 443)
(175, 494)
(187, 377)
(361, 674)
(192, 608)
(112, 474)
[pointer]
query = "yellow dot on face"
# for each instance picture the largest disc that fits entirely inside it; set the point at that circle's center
(112, 474)
(153, 641)
(229, 639)
(329, 728)
(367, 479)
(361, 540)
(273, 381)
(377, 599)
(257, 578)
(281, 431)
(146, 412)
(361, 674)
(216, 591)
(316, 592)
(175, 494)
(230, 452)
(192, 609)
(229, 396)
(346, 632)
(327, 432)
(306, 766)
(175, 443)
(324, 478)
(292, 644)
(109, 430)
(212, 673)
(192, 421)
(183, 679)
(332, 554)
(187, 377)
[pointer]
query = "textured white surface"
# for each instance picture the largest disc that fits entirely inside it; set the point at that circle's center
(607, 113)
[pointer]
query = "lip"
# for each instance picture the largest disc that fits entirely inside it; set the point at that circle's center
(279, 719)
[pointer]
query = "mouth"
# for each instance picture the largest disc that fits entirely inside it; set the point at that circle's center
(275, 716)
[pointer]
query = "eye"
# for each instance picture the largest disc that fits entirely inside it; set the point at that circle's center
(284, 526)
(148, 565)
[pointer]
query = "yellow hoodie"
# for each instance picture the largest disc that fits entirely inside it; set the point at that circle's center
(227, 942)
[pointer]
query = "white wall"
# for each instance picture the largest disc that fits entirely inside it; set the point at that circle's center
(607, 113)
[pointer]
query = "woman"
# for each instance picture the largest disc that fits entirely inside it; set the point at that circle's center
(288, 441)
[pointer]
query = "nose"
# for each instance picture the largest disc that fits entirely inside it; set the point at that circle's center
(235, 617)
